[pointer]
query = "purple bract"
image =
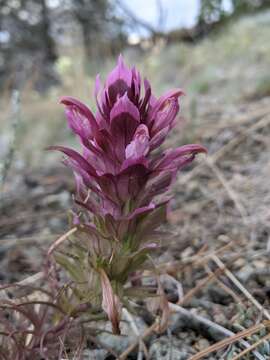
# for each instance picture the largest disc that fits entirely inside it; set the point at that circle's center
(117, 165)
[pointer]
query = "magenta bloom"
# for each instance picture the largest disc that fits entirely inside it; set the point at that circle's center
(121, 176)
(117, 164)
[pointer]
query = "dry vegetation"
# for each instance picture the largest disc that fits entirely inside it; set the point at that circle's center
(220, 214)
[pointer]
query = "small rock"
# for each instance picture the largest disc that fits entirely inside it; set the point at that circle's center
(258, 264)
(3, 251)
(245, 273)
(218, 295)
(94, 354)
(239, 263)
(166, 348)
(201, 344)
(38, 190)
(61, 199)
(187, 252)
(119, 343)
(221, 318)
(55, 224)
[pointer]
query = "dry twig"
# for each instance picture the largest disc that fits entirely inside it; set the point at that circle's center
(136, 331)
(147, 332)
(253, 346)
(241, 287)
(231, 340)
(224, 287)
(61, 239)
(232, 194)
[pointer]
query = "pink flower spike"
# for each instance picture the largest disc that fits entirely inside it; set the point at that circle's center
(122, 179)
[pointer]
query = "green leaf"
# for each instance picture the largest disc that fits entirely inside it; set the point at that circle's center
(73, 269)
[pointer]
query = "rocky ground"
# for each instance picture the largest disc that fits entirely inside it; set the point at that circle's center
(218, 260)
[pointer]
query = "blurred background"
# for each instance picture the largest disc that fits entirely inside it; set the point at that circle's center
(218, 51)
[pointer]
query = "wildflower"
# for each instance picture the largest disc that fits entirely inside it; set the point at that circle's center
(119, 175)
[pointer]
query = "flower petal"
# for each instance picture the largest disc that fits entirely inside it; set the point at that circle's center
(80, 118)
(158, 138)
(141, 211)
(124, 119)
(79, 160)
(145, 101)
(132, 179)
(139, 146)
(161, 103)
(165, 117)
(119, 80)
(176, 158)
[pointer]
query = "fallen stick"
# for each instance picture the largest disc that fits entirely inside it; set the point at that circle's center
(131, 321)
